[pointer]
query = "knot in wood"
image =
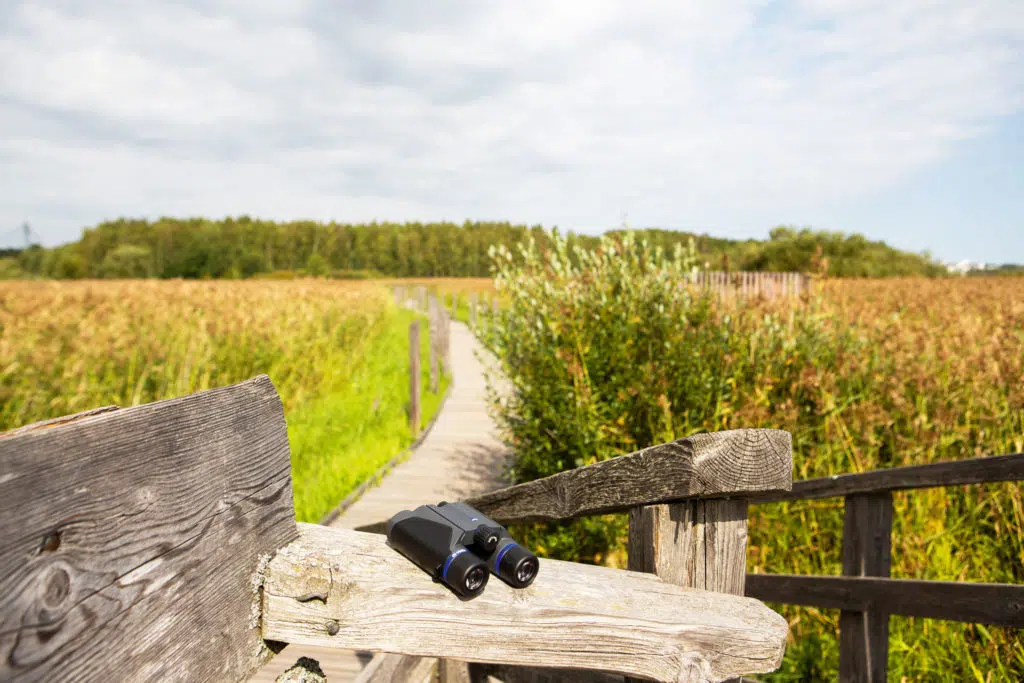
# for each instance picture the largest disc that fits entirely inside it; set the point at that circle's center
(51, 542)
(56, 587)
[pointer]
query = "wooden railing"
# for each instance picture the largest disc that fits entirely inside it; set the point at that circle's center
(744, 284)
(159, 543)
(687, 525)
(865, 593)
(438, 344)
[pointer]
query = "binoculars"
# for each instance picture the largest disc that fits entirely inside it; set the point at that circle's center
(460, 547)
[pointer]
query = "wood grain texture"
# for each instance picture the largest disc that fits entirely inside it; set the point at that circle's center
(454, 671)
(129, 539)
(867, 551)
(572, 616)
(993, 468)
(699, 544)
(732, 463)
(999, 604)
(391, 668)
(57, 421)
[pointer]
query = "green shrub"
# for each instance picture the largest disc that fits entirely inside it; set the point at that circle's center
(317, 266)
(128, 261)
(10, 270)
(610, 350)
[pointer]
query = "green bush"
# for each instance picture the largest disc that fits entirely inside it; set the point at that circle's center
(68, 265)
(10, 270)
(317, 266)
(128, 261)
(609, 351)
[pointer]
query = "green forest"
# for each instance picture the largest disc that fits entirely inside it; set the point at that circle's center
(245, 247)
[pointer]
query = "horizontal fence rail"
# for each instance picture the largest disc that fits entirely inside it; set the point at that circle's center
(989, 469)
(347, 589)
(733, 463)
(865, 594)
(997, 604)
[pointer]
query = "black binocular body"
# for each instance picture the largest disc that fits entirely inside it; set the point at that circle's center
(460, 547)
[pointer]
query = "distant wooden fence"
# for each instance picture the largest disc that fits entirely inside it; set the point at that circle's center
(439, 346)
(754, 284)
(727, 285)
(159, 543)
(865, 593)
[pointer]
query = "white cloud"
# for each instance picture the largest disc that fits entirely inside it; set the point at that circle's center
(713, 113)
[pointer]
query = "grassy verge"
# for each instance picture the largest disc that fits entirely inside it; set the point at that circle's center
(340, 439)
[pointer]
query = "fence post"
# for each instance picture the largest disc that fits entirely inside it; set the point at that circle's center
(435, 342)
(421, 293)
(867, 551)
(472, 310)
(699, 544)
(414, 377)
(448, 345)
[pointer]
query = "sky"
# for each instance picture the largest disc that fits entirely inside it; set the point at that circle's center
(899, 119)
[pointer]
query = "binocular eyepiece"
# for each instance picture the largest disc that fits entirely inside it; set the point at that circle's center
(460, 547)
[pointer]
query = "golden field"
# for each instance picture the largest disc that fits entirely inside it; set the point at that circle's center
(336, 352)
(938, 375)
(936, 372)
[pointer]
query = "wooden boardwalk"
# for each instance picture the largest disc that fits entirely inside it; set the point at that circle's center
(460, 457)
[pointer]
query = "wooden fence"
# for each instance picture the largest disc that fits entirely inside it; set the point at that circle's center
(865, 593)
(744, 284)
(159, 543)
(439, 346)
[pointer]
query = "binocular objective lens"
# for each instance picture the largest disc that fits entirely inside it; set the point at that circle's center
(526, 571)
(475, 578)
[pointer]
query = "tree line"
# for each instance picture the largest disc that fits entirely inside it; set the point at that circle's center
(244, 247)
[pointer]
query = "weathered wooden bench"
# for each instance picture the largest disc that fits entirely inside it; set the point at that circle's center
(159, 543)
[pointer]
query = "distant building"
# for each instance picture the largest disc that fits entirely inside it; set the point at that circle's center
(964, 267)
